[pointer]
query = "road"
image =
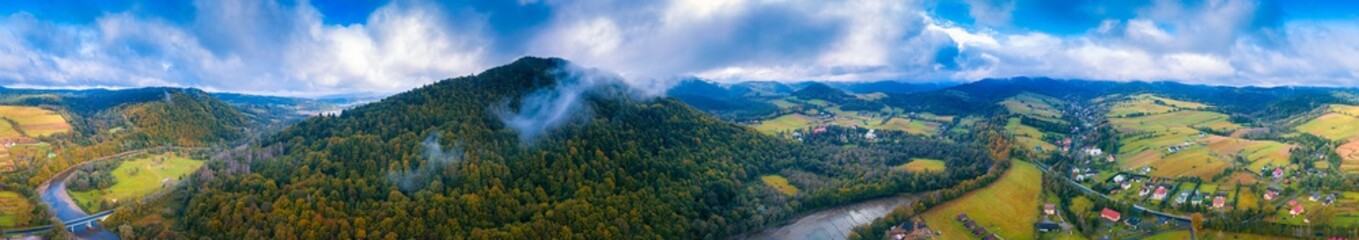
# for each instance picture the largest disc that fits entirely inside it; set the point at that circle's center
(835, 222)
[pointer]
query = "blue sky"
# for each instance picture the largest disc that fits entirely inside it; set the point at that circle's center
(308, 48)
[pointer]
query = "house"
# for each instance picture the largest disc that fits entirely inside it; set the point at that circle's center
(1330, 198)
(1297, 209)
(1278, 172)
(1183, 197)
(1094, 151)
(1050, 209)
(870, 134)
(1159, 194)
(1144, 191)
(1198, 199)
(1110, 214)
(990, 237)
(1315, 196)
(979, 231)
(1047, 226)
(1292, 202)
(1110, 158)
(1219, 201)
(1119, 178)
(970, 224)
(1126, 185)
(1133, 221)
(1271, 193)
(962, 217)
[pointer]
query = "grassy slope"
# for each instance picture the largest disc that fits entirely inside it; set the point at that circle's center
(36, 122)
(1008, 207)
(1027, 136)
(920, 165)
(10, 202)
(1145, 139)
(1034, 106)
(147, 180)
(784, 123)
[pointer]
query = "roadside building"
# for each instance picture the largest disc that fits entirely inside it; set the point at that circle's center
(1110, 214)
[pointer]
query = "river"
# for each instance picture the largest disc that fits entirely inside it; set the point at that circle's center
(54, 194)
(833, 223)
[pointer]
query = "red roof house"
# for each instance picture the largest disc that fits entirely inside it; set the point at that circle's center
(1110, 214)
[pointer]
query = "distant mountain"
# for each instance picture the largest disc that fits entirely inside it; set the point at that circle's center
(890, 87)
(735, 102)
(823, 92)
(762, 89)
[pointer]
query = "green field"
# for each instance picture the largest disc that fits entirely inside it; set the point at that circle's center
(1184, 234)
(1028, 137)
(1150, 104)
(149, 174)
(909, 126)
(12, 207)
(871, 96)
(921, 165)
(784, 123)
(1007, 207)
(1333, 126)
(779, 183)
(1147, 140)
(1034, 106)
(33, 122)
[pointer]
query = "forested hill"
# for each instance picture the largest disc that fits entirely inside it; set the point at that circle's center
(439, 162)
(184, 117)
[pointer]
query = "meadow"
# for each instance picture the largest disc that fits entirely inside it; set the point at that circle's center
(921, 165)
(12, 207)
(1008, 207)
(1034, 106)
(779, 183)
(1028, 137)
(784, 123)
(137, 178)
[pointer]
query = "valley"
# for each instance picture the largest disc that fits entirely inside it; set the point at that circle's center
(1022, 158)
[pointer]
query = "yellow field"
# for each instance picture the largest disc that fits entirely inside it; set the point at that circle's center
(1349, 156)
(921, 165)
(33, 121)
(1008, 207)
(137, 178)
(779, 183)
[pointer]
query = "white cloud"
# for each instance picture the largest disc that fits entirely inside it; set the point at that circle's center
(263, 46)
(245, 46)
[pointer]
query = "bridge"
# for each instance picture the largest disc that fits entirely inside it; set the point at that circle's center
(71, 226)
